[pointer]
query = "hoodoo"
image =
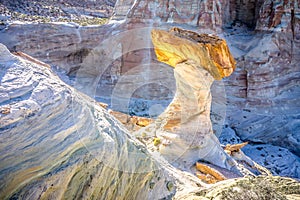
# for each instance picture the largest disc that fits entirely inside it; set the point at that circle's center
(184, 129)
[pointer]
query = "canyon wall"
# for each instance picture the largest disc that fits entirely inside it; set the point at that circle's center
(265, 87)
(205, 14)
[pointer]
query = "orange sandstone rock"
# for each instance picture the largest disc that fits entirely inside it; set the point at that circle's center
(103, 105)
(5, 110)
(132, 123)
(206, 178)
(208, 170)
(178, 45)
(234, 147)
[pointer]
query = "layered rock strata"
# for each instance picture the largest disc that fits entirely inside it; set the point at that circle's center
(206, 14)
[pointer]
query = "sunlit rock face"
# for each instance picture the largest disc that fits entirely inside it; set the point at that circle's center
(184, 128)
(181, 45)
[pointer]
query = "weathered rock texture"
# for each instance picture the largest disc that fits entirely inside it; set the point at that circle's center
(253, 188)
(212, 14)
(279, 15)
(209, 52)
(55, 10)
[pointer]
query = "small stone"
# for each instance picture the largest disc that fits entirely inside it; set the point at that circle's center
(151, 185)
(170, 186)
(5, 110)
(156, 141)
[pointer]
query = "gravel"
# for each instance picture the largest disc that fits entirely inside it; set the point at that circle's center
(83, 12)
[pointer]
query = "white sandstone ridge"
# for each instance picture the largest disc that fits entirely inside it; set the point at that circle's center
(57, 144)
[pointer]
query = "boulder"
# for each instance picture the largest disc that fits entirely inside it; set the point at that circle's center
(206, 50)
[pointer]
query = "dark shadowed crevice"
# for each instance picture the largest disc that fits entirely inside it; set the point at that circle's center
(293, 22)
(76, 57)
(244, 12)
